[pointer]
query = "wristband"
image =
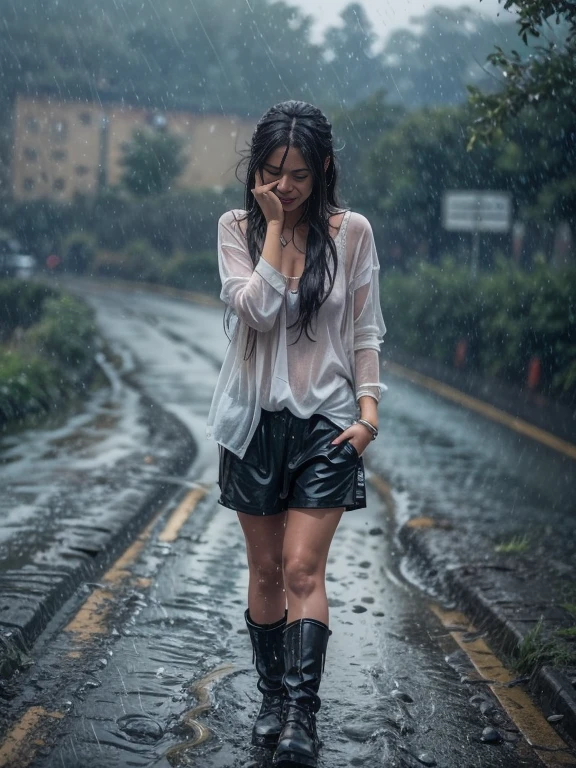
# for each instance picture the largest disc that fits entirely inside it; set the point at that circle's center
(370, 427)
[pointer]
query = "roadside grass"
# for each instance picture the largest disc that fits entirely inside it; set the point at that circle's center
(517, 544)
(535, 651)
(569, 608)
(569, 633)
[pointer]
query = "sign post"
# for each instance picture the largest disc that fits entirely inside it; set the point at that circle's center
(475, 212)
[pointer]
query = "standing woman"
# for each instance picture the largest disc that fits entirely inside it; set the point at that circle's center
(296, 402)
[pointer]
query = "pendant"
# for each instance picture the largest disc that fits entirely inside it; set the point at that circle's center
(283, 241)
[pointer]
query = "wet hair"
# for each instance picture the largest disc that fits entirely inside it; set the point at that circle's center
(302, 126)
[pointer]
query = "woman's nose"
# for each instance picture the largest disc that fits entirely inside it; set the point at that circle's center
(284, 184)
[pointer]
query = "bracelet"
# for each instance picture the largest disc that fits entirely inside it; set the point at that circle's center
(371, 428)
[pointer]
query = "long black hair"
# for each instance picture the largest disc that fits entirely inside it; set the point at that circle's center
(302, 126)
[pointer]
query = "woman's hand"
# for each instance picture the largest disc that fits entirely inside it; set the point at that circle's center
(269, 203)
(358, 435)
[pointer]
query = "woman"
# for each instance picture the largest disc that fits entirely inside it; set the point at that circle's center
(300, 281)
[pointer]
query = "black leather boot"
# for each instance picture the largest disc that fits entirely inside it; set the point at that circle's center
(268, 645)
(305, 643)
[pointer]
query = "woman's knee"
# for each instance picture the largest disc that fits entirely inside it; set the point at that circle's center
(302, 576)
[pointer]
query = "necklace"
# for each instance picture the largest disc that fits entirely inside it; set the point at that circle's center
(284, 242)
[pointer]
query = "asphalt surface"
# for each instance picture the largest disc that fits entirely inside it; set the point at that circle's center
(399, 691)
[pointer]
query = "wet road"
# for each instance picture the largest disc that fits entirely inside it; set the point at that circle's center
(397, 690)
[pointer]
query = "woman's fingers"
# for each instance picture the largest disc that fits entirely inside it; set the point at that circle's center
(269, 203)
(261, 187)
(358, 437)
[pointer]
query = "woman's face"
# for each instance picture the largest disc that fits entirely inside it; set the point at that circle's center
(296, 180)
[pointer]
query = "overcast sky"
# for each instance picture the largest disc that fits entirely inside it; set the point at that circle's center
(387, 15)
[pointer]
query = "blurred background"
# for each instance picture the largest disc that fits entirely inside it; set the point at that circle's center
(121, 124)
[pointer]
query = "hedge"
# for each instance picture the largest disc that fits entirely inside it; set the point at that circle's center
(506, 318)
(48, 350)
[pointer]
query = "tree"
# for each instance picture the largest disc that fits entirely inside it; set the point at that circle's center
(432, 63)
(153, 161)
(546, 80)
(352, 69)
(409, 168)
(356, 131)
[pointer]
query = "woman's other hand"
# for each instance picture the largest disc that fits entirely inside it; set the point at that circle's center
(357, 434)
(268, 201)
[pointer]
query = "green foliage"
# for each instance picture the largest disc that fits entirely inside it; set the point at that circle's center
(431, 309)
(544, 81)
(516, 545)
(218, 55)
(433, 62)
(535, 650)
(178, 219)
(138, 261)
(193, 272)
(506, 317)
(27, 386)
(78, 249)
(47, 361)
(398, 174)
(65, 334)
(152, 162)
(21, 304)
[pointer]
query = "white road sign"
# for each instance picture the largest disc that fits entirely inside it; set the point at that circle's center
(476, 211)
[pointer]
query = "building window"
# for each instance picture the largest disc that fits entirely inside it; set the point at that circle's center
(60, 130)
(85, 118)
(82, 170)
(32, 125)
(59, 155)
(30, 154)
(59, 185)
(29, 184)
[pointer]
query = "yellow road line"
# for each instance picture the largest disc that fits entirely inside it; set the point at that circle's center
(26, 737)
(487, 410)
(539, 734)
(383, 489)
(21, 743)
(91, 619)
(181, 514)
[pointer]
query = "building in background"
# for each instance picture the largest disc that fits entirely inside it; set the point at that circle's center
(65, 147)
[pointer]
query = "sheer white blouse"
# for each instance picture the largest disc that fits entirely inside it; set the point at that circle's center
(325, 376)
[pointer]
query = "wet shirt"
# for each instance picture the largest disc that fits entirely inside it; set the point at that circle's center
(325, 375)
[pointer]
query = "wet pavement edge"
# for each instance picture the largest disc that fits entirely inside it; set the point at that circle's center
(19, 629)
(551, 687)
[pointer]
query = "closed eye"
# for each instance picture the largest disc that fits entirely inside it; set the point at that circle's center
(277, 173)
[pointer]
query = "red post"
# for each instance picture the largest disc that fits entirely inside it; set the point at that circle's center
(534, 372)
(460, 353)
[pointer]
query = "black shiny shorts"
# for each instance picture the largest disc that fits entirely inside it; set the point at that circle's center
(290, 463)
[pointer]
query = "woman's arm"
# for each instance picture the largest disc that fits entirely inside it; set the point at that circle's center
(254, 293)
(369, 327)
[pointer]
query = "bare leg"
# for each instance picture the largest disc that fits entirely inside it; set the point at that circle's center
(307, 541)
(264, 540)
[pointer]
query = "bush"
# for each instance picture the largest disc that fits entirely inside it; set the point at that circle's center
(46, 362)
(138, 261)
(65, 334)
(193, 272)
(78, 249)
(21, 304)
(506, 317)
